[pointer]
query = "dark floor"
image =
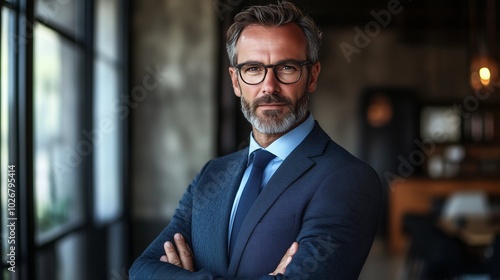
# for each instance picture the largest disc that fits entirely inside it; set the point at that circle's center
(382, 265)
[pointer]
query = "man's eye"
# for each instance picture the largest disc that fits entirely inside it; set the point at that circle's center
(287, 68)
(253, 69)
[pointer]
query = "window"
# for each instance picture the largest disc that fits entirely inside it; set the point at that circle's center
(61, 141)
(58, 151)
(107, 124)
(6, 101)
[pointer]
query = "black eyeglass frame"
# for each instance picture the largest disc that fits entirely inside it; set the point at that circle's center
(266, 67)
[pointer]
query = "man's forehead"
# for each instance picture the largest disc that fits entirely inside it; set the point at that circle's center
(263, 30)
(289, 35)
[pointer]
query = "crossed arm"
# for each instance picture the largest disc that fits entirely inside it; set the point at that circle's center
(183, 256)
(334, 238)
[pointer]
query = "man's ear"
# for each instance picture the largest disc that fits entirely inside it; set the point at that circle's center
(313, 77)
(233, 72)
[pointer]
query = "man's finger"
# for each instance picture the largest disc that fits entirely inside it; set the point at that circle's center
(185, 253)
(282, 266)
(171, 254)
(287, 258)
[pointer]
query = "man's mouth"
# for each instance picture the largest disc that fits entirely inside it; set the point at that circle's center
(271, 105)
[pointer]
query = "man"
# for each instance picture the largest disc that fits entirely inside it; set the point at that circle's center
(318, 207)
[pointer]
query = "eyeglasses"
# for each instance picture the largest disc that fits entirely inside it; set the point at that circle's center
(287, 72)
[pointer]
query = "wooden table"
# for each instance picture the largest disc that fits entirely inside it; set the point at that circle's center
(415, 195)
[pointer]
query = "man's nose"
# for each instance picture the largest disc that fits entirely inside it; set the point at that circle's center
(270, 84)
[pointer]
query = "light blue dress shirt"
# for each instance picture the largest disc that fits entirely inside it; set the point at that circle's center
(281, 148)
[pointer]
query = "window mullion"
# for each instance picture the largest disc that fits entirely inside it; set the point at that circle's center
(24, 151)
(88, 103)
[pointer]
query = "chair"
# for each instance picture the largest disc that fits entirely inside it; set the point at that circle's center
(433, 254)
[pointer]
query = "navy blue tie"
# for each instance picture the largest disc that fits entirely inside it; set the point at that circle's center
(250, 192)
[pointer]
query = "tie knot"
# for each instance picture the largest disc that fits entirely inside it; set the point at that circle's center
(262, 158)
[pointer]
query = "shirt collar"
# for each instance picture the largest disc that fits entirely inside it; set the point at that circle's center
(284, 145)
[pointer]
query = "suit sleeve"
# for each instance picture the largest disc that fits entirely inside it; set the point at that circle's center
(338, 226)
(149, 266)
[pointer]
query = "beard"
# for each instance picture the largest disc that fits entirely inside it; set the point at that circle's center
(273, 121)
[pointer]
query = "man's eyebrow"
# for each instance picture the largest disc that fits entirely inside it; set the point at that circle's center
(278, 62)
(251, 62)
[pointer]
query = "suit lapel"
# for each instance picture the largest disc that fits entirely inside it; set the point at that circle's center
(225, 178)
(296, 164)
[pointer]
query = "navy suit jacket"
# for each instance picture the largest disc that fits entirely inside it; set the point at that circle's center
(321, 196)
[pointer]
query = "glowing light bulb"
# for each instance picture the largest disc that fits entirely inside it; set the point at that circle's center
(484, 73)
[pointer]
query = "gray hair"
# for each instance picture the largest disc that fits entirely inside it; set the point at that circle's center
(274, 15)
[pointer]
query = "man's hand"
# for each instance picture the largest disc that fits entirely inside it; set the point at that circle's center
(184, 257)
(287, 258)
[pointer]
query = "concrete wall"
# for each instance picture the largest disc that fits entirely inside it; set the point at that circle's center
(174, 47)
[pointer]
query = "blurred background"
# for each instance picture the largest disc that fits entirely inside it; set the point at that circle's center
(109, 108)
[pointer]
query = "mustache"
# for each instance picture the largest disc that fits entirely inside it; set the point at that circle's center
(271, 99)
